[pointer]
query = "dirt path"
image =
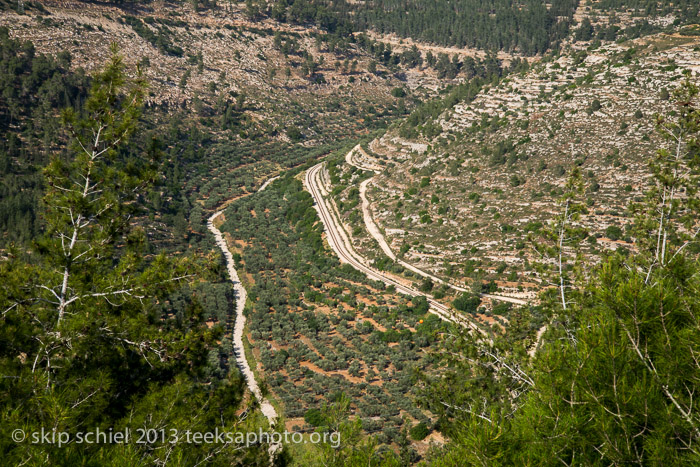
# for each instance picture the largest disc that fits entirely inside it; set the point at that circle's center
(267, 182)
(370, 224)
(340, 244)
(538, 337)
(240, 296)
(359, 158)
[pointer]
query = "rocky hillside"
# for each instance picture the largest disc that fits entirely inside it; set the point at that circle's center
(463, 203)
(184, 53)
(234, 100)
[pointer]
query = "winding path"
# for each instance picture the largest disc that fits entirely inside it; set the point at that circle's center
(376, 233)
(340, 243)
(240, 296)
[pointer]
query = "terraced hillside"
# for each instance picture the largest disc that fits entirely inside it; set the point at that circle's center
(262, 89)
(230, 101)
(462, 204)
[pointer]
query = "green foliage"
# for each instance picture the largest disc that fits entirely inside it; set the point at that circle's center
(83, 339)
(427, 285)
(33, 88)
(613, 232)
(466, 303)
(398, 92)
(294, 134)
(614, 376)
(420, 431)
(497, 25)
(585, 31)
(615, 372)
(420, 305)
(314, 417)
(353, 449)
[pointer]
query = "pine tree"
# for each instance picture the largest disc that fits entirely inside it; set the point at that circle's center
(614, 380)
(83, 341)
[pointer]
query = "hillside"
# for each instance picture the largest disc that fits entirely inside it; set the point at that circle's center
(463, 201)
(408, 232)
(257, 92)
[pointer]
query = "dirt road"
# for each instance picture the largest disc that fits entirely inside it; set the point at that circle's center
(359, 158)
(240, 296)
(340, 244)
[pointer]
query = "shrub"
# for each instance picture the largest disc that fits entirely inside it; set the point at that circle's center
(314, 417)
(427, 285)
(398, 92)
(419, 432)
(466, 302)
(294, 134)
(613, 232)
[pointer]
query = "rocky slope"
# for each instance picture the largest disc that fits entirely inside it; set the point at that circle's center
(462, 204)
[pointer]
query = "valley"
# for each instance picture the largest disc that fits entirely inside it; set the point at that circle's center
(411, 233)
